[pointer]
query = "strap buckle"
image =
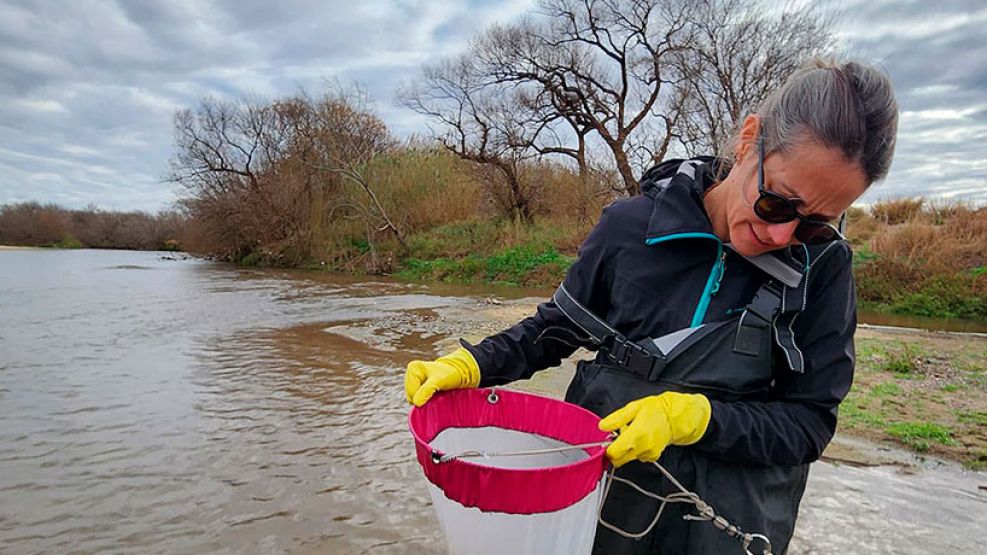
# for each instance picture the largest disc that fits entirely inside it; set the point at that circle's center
(628, 355)
(767, 302)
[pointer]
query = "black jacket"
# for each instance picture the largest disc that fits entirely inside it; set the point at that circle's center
(647, 290)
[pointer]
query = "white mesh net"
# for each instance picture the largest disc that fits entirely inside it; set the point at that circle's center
(470, 531)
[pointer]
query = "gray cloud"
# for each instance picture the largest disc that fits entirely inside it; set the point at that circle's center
(934, 54)
(89, 89)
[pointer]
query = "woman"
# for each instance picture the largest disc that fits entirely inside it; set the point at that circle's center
(725, 366)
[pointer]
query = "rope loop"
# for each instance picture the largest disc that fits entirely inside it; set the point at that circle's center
(704, 512)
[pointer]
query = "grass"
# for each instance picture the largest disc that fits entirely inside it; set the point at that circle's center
(887, 389)
(977, 417)
(66, 242)
(978, 461)
(918, 434)
(492, 251)
(856, 413)
(522, 265)
(925, 392)
(903, 361)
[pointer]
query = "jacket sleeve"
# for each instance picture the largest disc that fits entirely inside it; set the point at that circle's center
(798, 422)
(521, 350)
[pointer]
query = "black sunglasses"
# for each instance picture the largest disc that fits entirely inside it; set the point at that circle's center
(776, 209)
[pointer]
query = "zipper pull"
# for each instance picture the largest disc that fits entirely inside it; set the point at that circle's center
(721, 268)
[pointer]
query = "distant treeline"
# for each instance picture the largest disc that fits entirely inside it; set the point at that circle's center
(48, 225)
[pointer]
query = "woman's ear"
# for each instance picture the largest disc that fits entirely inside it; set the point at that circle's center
(747, 139)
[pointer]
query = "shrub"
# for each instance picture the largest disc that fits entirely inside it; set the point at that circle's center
(903, 361)
(950, 296)
(897, 211)
(861, 226)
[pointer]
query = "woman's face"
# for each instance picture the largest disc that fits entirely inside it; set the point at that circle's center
(821, 176)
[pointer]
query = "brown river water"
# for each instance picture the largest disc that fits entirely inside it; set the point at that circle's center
(158, 405)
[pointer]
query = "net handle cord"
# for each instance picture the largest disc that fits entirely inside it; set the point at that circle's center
(705, 511)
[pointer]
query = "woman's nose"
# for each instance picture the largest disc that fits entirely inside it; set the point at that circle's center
(781, 234)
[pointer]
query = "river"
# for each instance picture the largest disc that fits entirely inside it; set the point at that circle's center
(155, 404)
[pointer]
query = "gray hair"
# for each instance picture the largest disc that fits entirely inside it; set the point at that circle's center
(849, 106)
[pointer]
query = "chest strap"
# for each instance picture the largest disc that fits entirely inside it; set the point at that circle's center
(771, 307)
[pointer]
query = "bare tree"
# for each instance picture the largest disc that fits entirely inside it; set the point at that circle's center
(642, 78)
(232, 158)
(742, 52)
(348, 138)
(604, 66)
(487, 125)
(265, 179)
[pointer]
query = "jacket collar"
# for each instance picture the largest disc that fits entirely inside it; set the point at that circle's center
(677, 186)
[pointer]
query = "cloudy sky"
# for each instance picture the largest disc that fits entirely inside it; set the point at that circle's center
(88, 88)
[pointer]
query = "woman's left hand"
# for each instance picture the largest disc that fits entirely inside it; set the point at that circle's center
(646, 426)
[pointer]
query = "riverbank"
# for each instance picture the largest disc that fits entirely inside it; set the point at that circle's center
(917, 396)
(911, 257)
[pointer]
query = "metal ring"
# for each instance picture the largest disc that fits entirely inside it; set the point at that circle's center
(493, 398)
(749, 538)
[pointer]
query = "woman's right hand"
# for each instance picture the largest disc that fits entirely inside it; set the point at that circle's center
(457, 370)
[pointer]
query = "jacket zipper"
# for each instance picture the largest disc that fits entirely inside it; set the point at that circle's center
(715, 274)
(712, 285)
(721, 269)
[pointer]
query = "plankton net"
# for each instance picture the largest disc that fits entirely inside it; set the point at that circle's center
(511, 472)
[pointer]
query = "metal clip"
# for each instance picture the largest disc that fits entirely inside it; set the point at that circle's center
(749, 538)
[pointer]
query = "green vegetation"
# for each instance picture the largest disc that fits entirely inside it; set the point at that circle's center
(492, 251)
(902, 360)
(977, 417)
(887, 389)
(66, 242)
(917, 434)
(523, 265)
(856, 414)
(978, 462)
(924, 392)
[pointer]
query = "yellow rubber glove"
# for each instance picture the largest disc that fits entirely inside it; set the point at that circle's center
(457, 370)
(650, 424)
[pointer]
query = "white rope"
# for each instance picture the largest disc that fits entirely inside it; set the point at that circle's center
(706, 512)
